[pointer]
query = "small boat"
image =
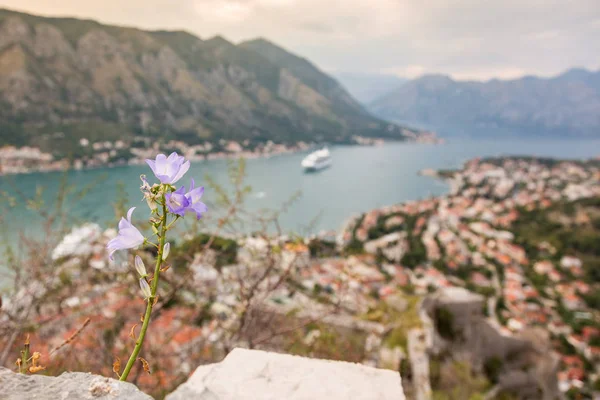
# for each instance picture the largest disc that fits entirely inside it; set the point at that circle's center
(317, 160)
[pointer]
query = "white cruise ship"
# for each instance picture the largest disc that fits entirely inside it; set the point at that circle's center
(317, 160)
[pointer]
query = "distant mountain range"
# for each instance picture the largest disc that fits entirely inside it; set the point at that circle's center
(567, 105)
(62, 79)
(367, 87)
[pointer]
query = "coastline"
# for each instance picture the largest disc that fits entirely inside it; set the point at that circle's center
(396, 164)
(63, 167)
(234, 152)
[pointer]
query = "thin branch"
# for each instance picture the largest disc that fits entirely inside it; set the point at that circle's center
(72, 337)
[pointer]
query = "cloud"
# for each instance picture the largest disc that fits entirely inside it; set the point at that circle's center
(228, 12)
(469, 39)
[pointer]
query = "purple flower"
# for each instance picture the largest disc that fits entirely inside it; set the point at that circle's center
(169, 170)
(128, 237)
(177, 202)
(194, 196)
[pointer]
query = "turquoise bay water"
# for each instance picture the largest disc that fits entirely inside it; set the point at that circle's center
(360, 179)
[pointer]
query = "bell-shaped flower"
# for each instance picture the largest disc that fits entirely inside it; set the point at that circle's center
(128, 237)
(140, 267)
(177, 202)
(169, 169)
(194, 195)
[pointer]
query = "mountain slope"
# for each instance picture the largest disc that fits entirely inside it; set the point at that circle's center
(306, 72)
(567, 105)
(62, 79)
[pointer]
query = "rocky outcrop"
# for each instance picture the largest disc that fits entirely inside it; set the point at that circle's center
(70, 385)
(243, 374)
(254, 374)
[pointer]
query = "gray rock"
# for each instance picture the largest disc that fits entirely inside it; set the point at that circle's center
(70, 385)
(259, 375)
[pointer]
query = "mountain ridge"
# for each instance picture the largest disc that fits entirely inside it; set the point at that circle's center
(565, 105)
(63, 79)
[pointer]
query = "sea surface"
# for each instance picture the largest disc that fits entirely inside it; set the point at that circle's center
(361, 178)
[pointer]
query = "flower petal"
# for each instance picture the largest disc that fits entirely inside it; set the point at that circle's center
(129, 214)
(195, 195)
(163, 178)
(123, 223)
(199, 208)
(177, 203)
(152, 165)
(161, 161)
(182, 170)
(169, 169)
(114, 245)
(130, 238)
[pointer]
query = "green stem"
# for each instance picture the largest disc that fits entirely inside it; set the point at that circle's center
(153, 288)
(25, 357)
(172, 222)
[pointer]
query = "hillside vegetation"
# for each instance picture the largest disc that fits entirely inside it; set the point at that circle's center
(62, 79)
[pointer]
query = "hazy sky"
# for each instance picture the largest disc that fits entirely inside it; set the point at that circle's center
(468, 39)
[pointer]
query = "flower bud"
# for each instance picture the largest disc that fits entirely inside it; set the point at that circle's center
(166, 250)
(140, 267)
(145, 288)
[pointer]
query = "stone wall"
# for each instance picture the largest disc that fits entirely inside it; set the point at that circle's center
(529, 366)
